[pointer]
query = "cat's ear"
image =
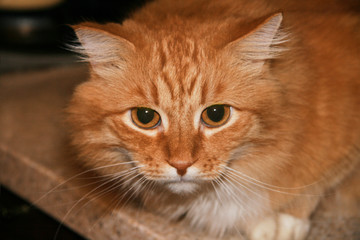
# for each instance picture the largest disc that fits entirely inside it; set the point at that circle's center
(107, 53)
(262, 43)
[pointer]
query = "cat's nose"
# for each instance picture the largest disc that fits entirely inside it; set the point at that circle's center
(181, 166)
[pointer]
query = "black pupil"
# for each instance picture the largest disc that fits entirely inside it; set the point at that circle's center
(215, 113)
(145, 115)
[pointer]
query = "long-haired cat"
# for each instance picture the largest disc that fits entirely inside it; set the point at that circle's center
(233, 115)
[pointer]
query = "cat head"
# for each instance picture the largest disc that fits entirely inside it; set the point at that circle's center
(173, 107)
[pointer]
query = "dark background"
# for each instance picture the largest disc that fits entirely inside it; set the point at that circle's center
(48, 27)
(42, 45)
(38, 38)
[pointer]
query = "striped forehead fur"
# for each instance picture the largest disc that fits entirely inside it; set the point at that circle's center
(179, 67)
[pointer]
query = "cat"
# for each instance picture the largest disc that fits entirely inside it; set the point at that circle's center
(235, 116)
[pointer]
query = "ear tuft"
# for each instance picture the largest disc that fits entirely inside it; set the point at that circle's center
(263, 43)
(107, 53)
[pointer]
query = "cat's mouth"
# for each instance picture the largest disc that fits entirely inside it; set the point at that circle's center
(180, 184)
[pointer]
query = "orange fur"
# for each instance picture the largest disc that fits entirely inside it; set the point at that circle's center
(292, 80)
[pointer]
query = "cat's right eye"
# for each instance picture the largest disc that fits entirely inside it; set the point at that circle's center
(145, 118)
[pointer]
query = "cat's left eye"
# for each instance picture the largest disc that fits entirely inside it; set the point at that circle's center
(145, 118)
(216, 115)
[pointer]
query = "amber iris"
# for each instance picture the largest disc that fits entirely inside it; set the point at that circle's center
(145, 118)
(216, 115)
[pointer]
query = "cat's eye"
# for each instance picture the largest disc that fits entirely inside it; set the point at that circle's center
(145, 118)
(216, 115)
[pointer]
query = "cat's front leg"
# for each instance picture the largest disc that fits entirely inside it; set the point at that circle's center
(280, 227)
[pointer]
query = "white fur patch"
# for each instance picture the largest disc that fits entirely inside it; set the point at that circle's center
(170, 173)
(181, 184)
(227, 209)
(182, 187)
(280, 227)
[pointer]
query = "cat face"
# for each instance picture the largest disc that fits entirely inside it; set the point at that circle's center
(177, 111)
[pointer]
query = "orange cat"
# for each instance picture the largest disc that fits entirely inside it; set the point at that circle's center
(237, 116)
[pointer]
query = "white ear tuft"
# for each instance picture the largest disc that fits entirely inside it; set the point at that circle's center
(107, 53)
(260, 44)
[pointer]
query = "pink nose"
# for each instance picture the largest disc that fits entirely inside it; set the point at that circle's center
(181, 166)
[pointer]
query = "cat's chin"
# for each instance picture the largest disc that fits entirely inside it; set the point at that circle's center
(182, 187)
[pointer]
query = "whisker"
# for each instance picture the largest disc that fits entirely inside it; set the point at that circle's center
(244, 177)
(269, 185)
(77, 175)
(216, 191)
(99, 180)
(110, 188)
(230, 193)
(129, 189)
(87, 195)
(151, 185)
(222, 184)
(139, 181)
(115, 203)
(232, 177)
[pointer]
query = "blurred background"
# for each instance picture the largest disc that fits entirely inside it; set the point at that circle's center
(34, 32)
(33, 37)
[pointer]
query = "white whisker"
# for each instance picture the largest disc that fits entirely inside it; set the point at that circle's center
(77, 175)
(232, 177)
(267, 186)
(126, 172)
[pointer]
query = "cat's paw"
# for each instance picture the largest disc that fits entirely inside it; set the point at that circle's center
(280, 227)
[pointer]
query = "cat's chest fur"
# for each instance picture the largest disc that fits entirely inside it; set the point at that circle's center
(229, 209)
(222, 212)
